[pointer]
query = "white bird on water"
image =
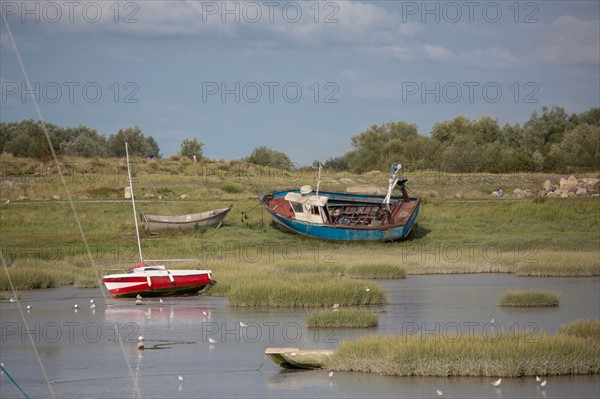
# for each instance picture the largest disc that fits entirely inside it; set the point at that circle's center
(212, 340)
(92, 301)
(76, 306)
(93, 306)
(330, 374)
(160, 300)
(492, 321)
(243, 325)
(181, 379)
(28, 308)
(138, 296)
(497, 382)
(204, 312)
(537, 378)
(440, 393)
(140, 338)
(543, 383)
(12, 300)
(138, 301)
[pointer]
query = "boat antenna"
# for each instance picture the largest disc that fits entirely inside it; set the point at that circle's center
(137, 230)
(319, 177)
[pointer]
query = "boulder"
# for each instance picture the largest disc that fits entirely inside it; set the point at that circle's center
(56, 197)
(494, 194)
(571, 194)
(581, 191)
(568, 183)
(528, 193)
(564, 195)
(551, 194)
(518, 193)
(546, 186)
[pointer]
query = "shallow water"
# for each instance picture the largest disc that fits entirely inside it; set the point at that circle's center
(85, 352)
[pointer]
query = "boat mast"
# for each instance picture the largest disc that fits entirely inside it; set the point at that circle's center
(137, 231)
(319, 178)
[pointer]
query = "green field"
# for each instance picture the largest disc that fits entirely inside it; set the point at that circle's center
(460, 229)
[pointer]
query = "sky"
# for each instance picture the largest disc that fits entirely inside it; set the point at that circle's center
(301, 77)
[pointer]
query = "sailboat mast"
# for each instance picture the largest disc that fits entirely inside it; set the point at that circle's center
(137, 231)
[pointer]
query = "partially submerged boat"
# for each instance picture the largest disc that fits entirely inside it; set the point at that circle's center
(345, 216)
(155, 223)
(294, 358)
(153, 280)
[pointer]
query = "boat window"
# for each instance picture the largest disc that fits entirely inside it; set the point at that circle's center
(315, 210)
(296, 206)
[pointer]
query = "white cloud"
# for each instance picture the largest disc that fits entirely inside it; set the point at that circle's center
(494, 57)
(569, 40)
(437, 52)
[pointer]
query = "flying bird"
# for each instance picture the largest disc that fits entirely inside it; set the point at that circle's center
(204, 312)
(497, 382)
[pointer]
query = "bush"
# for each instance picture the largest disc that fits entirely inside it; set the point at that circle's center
(232, 188)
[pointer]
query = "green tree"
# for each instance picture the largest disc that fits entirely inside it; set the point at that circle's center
(138, 143)
(88, 143)
(188, 148)
(265, 156)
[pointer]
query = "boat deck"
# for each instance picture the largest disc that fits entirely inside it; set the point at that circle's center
(353, 214)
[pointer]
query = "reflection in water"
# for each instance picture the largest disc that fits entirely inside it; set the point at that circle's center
(81, 354)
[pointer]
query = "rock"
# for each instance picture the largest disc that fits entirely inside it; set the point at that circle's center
(546, 186)
(581, 191)
(458, 194)
(528, 193)
(518, 193)
(56, 197)
(494, 194)
(551, 194)
(568, 183)
(595, 195)
(573, 190)
(564, 195)
(184, 196)
(541, 193)
(571, 194)
(592, 185)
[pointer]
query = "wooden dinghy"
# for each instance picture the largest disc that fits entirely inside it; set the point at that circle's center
(294, 358)
(155, 223)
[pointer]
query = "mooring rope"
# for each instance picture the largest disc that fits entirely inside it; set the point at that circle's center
(70, 199)
(12, 380)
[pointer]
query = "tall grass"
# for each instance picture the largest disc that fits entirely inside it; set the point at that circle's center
(529, 298)
(508, 355)
(338, 318)
(303, 291)
(585, 329)
(382, 271)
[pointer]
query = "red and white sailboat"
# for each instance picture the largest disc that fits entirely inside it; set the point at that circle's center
(153, 280)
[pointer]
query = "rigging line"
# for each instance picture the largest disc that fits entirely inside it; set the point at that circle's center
(37, 355)
(68, 193)
(13, 381)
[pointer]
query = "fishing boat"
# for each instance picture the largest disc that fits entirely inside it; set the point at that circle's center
(345, 216)
(148, 280)
(294, 358)
(155, 223)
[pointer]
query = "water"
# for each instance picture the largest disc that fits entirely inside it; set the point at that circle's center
(84, 351)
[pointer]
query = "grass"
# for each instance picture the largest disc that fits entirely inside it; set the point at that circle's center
(304, 291)
(529, 298)
(471, 234)
(341, 318)
(575, 349)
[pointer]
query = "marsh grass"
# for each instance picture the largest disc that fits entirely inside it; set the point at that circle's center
(529, 298)
(508, 355)
(304, 291)
(584, 329)
(381, 271)
(341, 318)
(562, 264)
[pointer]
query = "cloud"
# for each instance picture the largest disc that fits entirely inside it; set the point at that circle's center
(494, 57)
(438, 53)
(569, 40)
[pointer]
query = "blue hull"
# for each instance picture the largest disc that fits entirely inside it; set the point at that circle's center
(347, 233)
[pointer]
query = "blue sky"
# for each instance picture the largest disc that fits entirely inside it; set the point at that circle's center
(300, 77)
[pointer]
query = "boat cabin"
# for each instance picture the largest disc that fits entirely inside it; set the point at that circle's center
(308, 207)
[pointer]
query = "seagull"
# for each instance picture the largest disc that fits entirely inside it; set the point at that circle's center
(537, 378)
(181, 379)
(204, 312)
(12, 300)
(160, 300)
(335, 306)
(138, 301)
(367, 289)
(93, 306)
(492, 321)
(92, 301)
(212, 340)
(28, 307)
(543, 383)
(76, 306)
(440, 393)
(497, 382)
(138, 296)
(140, 338)
(330, 374)
(243, 325)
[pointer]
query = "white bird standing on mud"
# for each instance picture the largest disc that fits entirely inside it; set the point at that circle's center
(212, 340)
(440, 393)
(538, 379)
(76, 306)
(543, 383)
(138, 296)
(497, 382)
(181, 379)
(330, 374)
(12, 300)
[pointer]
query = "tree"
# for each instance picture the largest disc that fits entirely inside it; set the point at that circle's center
(138, 143)
(265, 156)
(87, 144)
(188, 148)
